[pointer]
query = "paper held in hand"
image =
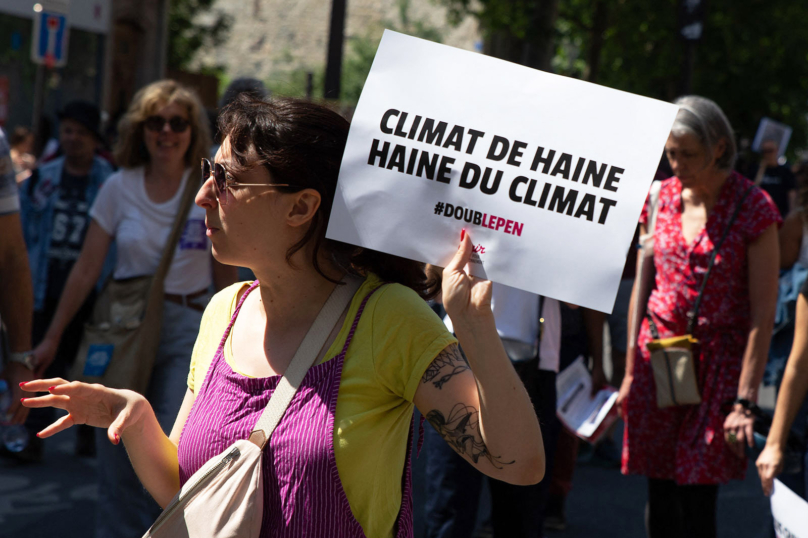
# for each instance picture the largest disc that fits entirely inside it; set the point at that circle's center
(586, 416)
(548, 174)
(790, 513)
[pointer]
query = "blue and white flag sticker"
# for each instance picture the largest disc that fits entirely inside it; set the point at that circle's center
(98, 358)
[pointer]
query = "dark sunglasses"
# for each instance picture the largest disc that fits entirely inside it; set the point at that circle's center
(224, 181)
(157, 123)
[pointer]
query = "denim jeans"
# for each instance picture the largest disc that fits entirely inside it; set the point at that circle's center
(453, 485)
(125, 509)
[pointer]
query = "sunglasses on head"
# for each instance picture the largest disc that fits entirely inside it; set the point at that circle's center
(224, 181)
(157, 123)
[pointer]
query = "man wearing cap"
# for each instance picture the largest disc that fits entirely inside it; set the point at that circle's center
(55, 203)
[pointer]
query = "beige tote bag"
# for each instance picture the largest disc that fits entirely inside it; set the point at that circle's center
(225, 497)
(674, 371)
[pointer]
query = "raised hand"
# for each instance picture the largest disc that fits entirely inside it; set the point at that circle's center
(463, 294)
(91, 404)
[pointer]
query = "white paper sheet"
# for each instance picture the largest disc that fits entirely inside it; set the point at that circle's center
(774, 130)
(790, 512)
(577, 409)
(561, 230)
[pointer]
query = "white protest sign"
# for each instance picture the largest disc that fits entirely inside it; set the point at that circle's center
(547, 174)
(790, 513)
(768, 129)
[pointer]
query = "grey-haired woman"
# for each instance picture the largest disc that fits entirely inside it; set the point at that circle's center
(686, 451)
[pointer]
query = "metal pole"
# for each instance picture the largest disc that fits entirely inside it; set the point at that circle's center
(689, 65)
(39, 102)
(162, 50)
(336, 38)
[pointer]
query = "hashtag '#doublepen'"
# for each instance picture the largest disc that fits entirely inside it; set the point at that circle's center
(439, 208)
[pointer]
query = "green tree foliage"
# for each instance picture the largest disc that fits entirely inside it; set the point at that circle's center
(362, 50)
(293, 83)
(520, 31)
(752, 59)
(359, 54)
(356, 66)
(187, 33)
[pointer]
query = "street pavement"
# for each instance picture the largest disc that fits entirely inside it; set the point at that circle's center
(57, 497)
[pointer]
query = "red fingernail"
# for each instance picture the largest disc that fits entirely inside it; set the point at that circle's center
(38, 434)
(23, 383)
(462, 234)
(117, 439)
(51, 388)
(23, 399)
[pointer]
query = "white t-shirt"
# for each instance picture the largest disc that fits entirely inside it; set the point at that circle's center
(141, 228)
(516, 313)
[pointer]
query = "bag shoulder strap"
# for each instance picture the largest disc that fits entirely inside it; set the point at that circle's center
(304, 359)
(693, 314)
(176, 230)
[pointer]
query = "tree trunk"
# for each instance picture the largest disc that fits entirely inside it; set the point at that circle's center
(336, 38)
(537, 48)
(600, 22)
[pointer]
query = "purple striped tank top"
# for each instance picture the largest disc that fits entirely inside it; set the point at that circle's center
(303, 494)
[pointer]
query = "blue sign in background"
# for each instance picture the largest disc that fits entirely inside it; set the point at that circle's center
(59, 35)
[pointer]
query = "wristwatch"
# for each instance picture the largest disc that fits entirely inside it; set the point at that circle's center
(748, 405)
(26, 358)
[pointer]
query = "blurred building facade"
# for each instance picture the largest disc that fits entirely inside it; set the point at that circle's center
(270, 38)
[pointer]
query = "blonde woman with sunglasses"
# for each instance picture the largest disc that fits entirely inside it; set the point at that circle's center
(163, 136)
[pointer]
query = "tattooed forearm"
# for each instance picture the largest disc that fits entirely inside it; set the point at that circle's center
(461, 430)
(446, 365)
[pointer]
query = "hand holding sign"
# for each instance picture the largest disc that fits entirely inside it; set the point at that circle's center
(464, 295)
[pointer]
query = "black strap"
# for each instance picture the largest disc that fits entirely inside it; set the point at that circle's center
(693, 314)
(541, 322)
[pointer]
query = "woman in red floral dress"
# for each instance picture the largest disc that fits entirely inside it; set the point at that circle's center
(686, 451)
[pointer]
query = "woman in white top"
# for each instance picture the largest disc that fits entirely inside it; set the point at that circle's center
(163, 136)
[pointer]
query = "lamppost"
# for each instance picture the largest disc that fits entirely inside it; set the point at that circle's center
(336, 38)
(691, 27)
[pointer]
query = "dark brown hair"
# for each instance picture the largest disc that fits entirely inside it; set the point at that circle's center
(18, 136)
(301, 143)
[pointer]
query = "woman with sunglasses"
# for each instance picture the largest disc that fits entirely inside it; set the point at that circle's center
(163, 136)
(338, 464)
